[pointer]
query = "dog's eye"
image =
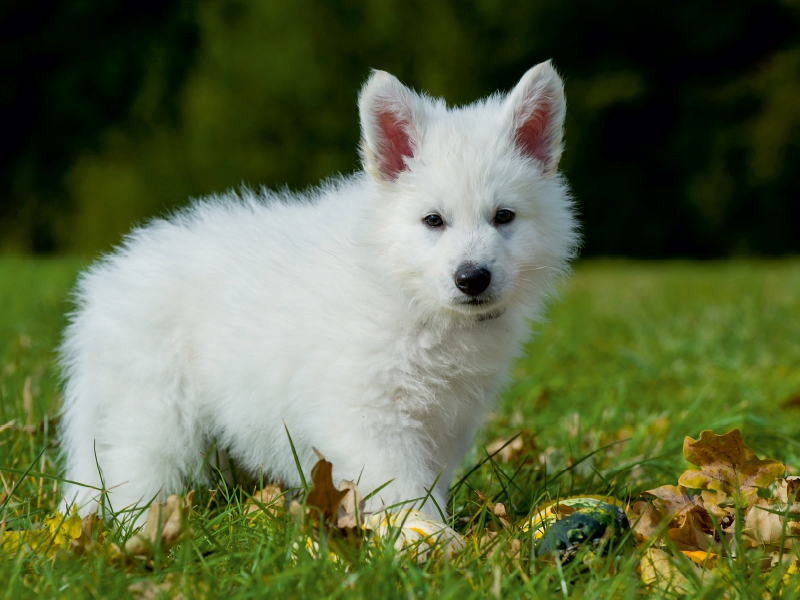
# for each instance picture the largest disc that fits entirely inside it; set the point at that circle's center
(503, 216)
(433, 220)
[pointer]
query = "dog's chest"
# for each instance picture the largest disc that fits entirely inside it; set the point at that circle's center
(444, 372)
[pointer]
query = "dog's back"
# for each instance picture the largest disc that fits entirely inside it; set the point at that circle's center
(374, 319)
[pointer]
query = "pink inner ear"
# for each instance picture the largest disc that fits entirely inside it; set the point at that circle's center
(397, 144)
(533, 136)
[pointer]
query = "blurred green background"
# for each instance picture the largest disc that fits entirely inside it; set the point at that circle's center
(683, 127)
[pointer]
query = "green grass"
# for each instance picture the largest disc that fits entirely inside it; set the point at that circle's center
(634, 357)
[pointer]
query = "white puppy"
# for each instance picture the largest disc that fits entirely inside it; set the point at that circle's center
(376, 316)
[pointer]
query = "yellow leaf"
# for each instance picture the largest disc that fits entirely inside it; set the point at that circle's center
(29, 539)
(724, 463)
(657, 568)
(63, 529)
(702, 558)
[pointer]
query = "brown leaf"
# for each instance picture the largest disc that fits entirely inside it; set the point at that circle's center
(672, 501)
(765, 526)
(500, 513)
(324, 496)
(350, 514)
(147, 589)
(498, 510)
(296, 510)
(787, 490)
(92, 535)
(657, 568)
(167, 519)
(514, 549)
(563, 510)
(726, 464)
(711, 502)
(268, 499)
(645, 519)
(506, 451)
(487, 541)
(695, 533)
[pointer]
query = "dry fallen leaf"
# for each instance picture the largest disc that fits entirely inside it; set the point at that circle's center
(147, 589)
(324, 496)
(506, 451)
(724, 463)
(673, 501)
(351, 508)
(712, 501)
(498, 510)
(92, 535)
(787, 491)
(645, 519)
(657, 568)
(696, 531)
(500, 513)
(269, 499)
(56, 532)
(166, 526)
(702, 558)
(766, 526)
(173, 587)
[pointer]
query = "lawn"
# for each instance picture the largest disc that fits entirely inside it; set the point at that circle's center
(634, 356)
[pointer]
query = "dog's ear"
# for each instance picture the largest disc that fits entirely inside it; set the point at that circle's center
(536, 112)
(391, 118)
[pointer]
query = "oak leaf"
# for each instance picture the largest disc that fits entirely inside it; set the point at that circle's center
(499, 509)
(501, 514)
(695, 533)
(269, 499)
(712, 501)
(787, 490)
(645, 519)
(701, 557)
(324, 496)
(765, 524)
(724, 463)
(657, 568)
(350, 514)
(673, 501)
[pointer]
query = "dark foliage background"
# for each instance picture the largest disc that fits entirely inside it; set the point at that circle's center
(683, 131)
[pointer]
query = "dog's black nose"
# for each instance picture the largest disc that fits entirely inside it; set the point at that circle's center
(472, 280)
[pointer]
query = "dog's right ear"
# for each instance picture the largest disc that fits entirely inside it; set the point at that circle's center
(391, 118)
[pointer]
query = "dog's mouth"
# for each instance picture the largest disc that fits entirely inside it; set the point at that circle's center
(487, 308)
(477, 302)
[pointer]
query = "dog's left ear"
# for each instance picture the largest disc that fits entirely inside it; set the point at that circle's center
(536, 109)
(391, 125)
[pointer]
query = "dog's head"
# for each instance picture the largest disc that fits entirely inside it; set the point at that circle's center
(472, 212)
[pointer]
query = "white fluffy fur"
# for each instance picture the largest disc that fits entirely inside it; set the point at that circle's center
(334, 312)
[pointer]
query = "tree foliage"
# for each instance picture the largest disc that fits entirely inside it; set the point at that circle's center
(683, 124)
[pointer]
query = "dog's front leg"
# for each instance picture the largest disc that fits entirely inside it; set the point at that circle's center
(400, 462)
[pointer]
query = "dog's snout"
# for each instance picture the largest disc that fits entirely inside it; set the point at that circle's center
(472, 280)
